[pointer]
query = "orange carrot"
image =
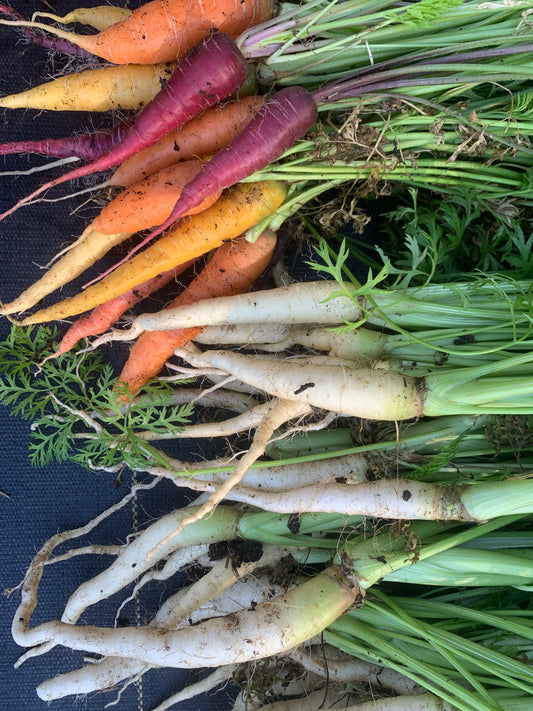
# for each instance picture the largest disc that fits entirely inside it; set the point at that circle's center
(141, 205)
(138, 208)
(106, 315)
(204, 135)
(239, 209)
(163, 30)
(233, 268)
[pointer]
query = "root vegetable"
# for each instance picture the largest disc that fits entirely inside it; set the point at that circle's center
(232, 269)
(162, 30)
(283, 118)
(128, 87)
(210, 72)
(134, 209)
(228, 218)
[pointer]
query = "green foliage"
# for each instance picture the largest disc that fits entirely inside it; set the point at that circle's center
(75, 406)
(427, 236)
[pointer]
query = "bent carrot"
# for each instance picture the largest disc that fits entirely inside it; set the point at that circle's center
(235, 212)
(232, 269)
(132, 211)
(129, 86)
(201, 136)
(106, 315)
(163, 30)
(99, 17)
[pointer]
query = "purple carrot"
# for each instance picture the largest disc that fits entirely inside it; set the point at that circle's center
(53, 43)
(284, 118)
(87, 146)
(210, 72)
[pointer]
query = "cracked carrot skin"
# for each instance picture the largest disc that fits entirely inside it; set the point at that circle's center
(239, 209)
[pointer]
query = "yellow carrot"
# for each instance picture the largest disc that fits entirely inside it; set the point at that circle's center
(99, 17)
(240, 208)
(128, 86)
(139, 207)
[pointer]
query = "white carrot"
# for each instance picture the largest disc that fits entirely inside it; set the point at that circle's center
(307, 302)
(270, 628)
(358, 392)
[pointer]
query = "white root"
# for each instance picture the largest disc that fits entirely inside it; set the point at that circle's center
(400, 499)
(351, 468)
(304, 694)
(372, 394)
(248, 334)
(336, 666)
(221, 675)
(176, 561)
(419, 702)
(268, 629)
(113, 670)
(242, 422)
(219, 398)
(140, 555)
(279, 413)
(362, 343)
(21, 633)
(186, 607)
(308, 302)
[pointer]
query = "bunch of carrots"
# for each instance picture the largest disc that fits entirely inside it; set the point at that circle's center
(157, 191)
(182, 169)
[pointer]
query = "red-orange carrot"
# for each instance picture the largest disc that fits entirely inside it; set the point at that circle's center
(233, 268)
(201, 136)
(106, 315)
(163, 30)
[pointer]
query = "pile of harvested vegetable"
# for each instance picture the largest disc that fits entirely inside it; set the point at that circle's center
(283, 328)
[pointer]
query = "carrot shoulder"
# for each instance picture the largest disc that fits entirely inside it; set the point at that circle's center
(232, 269)
(236, 211)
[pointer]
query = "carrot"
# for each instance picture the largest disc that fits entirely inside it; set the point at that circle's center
(138, 208)
(204, 135)
(106, 315)
(211, 71)
(233, 268)
(87, 146)
(234, 213)
(282, 119)
(99, 17)
(52, 43)
(163, 30)
(129, 86)
(201, 136)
